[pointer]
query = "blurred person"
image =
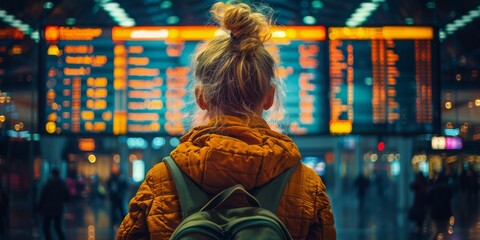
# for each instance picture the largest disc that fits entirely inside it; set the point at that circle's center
(381, 184)
(463, 183)
(96, 193)
(361, 184)
(4, 205)
(116, 189)
(53, 197)
(235, 83)
(439, 200)
(80, 185)
(417, 211)
(70, 180)
(473, 183)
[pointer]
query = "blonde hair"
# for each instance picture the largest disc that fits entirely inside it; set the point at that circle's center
(234, 69)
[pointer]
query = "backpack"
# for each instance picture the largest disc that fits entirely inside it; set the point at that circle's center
(202, 219)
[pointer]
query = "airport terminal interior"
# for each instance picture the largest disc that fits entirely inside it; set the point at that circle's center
(378, 93)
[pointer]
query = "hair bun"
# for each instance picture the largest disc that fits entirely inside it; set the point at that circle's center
(248, 29)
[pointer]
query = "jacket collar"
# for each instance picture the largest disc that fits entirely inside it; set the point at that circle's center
(217, 156)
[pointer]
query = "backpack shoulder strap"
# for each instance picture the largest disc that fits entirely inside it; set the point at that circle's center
(192, 197)
(269, 195)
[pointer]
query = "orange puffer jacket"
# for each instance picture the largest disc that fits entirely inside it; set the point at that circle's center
(217, 159)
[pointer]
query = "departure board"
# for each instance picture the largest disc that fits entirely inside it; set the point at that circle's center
(382, 80)
(136, 80)
(11, 40)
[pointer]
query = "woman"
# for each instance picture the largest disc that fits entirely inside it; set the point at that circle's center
(235, 84)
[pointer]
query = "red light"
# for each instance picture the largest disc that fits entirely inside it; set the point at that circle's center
(52, 33)
(381, 146)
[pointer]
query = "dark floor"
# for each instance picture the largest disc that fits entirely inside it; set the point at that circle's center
(376, 220)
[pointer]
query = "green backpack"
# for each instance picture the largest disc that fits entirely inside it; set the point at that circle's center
(202, 219)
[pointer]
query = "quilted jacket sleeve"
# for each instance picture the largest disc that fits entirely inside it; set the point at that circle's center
(323, 224)
(134, 225)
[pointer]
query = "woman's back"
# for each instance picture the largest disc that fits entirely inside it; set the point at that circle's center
(235, 82)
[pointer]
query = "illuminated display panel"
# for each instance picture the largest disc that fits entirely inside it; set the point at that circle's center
(11, 40)
(382, 80)
(136, 80)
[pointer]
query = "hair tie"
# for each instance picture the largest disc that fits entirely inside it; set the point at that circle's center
(234, 38)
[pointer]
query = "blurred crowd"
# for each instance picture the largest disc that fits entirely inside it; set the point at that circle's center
(431, 208)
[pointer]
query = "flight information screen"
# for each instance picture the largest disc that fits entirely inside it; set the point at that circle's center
(11, 40)
(136, 80)
(382, 80)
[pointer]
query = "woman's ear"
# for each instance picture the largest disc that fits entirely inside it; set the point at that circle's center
(268, 102)
(199, 98)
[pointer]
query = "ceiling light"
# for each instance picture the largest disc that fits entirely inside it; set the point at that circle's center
(70, 21)
(363, 10)
(359, 18)
(459, 23)
(122, 18)
(48, 5)
(8, 18)
(24, 28)
(474, 13)
(309, 20)
(351, 23)
(317, 4)
(117, 11)
(442, 35)
(111, 6)
(127, 23)
(35, 35)
(362, 13)
(451, 27)
(172, 20)
(449, 31)
(166, 4)
(431, 5)
(369, 5)
(17, 23)
(118, 14)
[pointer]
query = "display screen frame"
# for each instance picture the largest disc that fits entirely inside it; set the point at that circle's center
(373, 130)
(322, 125)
